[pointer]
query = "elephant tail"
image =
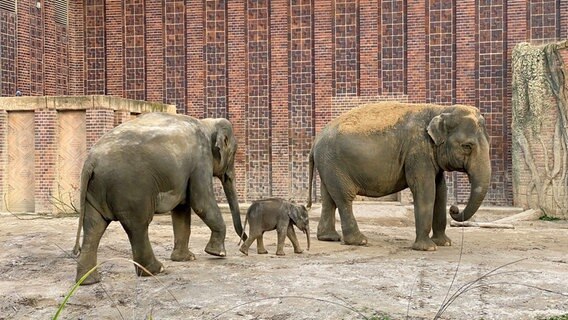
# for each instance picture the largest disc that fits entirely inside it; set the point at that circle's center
(86, 175)
(311, 179)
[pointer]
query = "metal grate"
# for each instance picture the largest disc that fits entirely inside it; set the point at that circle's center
(9, 5)
(61, 8)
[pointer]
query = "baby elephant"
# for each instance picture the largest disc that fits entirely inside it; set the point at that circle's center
(269, 214)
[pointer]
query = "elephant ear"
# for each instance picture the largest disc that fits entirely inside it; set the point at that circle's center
(294, 214)
(221, 142)
(437, 128)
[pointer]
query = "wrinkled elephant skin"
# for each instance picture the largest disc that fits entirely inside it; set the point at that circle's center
(157, 162)
(379, 149)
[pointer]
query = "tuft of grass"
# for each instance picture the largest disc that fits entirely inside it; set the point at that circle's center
(382, 317)
(561, 317)
(548, 218)
(78, 283)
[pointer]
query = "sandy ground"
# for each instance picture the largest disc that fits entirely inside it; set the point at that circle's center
(384, 280)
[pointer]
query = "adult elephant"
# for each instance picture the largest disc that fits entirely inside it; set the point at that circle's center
(158, 162)
(382, 148)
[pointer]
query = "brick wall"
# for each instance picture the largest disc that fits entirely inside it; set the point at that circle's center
(95, 76)
(281, 70)
(7, 52)
(45, 123)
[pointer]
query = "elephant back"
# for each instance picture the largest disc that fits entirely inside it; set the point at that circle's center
(376, 117)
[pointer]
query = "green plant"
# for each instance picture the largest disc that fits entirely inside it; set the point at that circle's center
(381, 317)
(561, 317)
(78, 283)
(548, 218)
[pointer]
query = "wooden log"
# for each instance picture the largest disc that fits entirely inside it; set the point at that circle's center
(527, 215)
(481, 225)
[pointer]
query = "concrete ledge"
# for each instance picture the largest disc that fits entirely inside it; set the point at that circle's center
(83, 103)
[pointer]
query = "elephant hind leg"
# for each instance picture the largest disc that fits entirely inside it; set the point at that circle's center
(142, 252)
(248, 242)
(351, 233)
(181, 222)
(260, 245)
(343, 194)
(326, 224)
(94, 226)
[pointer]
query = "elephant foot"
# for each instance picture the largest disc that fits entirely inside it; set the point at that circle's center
(442, 240)
(261, 251)
(93, 278)
(182, 255)
(424, 245)
(216, 249)
(329, 236)
(244, 250)
(355, 239)
(280, 253)
(298, 251)
(154, 268)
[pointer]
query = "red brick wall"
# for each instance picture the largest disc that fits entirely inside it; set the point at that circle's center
(8, 52)
(237, 85)
(174, 91)
(95, 76)
(134, 49)
(281, 70)
(45, 123)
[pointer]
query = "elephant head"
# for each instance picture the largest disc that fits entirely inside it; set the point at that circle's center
(223, 149)
(462, 144)
(299, 215)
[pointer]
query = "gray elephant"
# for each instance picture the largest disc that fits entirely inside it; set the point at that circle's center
(158, 162)
(269, 214)
(383, 148)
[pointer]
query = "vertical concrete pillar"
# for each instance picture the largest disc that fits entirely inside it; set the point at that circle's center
(3, 156)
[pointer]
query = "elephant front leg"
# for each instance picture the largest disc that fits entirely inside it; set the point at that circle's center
(326, 224)
(439, 221)
(94, 226)
(281, 233)
(181, 222)
(424, 193)
(292, 236)
(205, 206)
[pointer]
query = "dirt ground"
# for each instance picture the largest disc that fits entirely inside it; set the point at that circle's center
(384, 280)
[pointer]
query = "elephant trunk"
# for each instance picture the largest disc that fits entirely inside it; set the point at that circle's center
(232, 198)
(479, 179)
(307, 232)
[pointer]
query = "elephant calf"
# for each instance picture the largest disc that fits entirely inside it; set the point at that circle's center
(270, 214)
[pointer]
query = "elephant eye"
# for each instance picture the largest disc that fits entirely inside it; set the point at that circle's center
(466, 147)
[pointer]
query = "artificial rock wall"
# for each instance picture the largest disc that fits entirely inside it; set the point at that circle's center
(44, 142)
(540, 128)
